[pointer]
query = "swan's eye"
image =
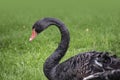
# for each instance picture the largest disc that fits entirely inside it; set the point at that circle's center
(33, 27)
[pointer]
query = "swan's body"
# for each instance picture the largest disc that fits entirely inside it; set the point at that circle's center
(77, 67)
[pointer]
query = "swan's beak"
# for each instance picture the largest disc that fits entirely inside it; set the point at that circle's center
(34, 34)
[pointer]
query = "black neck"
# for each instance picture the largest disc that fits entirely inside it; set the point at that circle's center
(54, 59)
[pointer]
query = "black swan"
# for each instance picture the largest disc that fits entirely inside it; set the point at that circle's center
(77, 67)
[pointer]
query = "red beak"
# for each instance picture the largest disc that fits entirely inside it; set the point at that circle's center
(34, 34)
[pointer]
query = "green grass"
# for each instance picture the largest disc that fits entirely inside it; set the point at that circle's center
(93, 25)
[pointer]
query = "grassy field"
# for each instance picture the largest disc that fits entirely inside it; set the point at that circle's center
(93, 25)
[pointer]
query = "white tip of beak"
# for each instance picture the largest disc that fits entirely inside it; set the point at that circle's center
(30, 39)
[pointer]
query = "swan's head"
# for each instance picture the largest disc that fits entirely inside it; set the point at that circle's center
(42, 24)
(38, 27)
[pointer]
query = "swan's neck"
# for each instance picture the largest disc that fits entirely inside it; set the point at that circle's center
(54, 59)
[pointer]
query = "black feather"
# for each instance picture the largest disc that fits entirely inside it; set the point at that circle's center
(76, 67)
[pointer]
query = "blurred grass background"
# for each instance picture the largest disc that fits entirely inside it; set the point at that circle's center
(93, 25)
